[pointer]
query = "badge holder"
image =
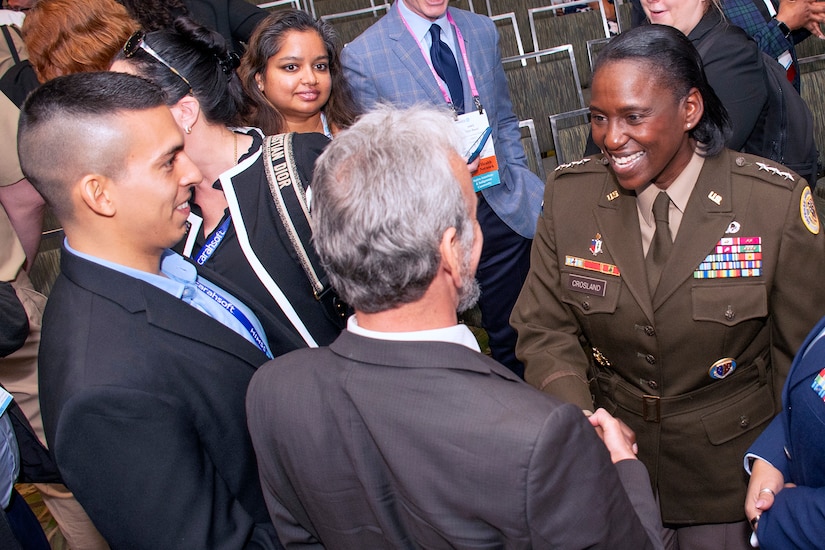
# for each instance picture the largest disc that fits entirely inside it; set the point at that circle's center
(477, 142)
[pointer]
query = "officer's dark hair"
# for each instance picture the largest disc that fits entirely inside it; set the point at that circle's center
(201, 56)
(61, 135)
(670, 56)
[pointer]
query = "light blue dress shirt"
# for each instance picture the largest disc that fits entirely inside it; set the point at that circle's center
(180, 279)
(421, 29)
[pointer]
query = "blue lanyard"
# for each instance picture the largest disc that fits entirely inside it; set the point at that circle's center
(209, 248)
(238, 314)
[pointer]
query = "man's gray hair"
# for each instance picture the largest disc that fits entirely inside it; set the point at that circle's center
(383, 194)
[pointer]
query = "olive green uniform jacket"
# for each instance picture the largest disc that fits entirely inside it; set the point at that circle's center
(695, 370)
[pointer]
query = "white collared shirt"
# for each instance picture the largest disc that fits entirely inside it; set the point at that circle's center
(456, 334)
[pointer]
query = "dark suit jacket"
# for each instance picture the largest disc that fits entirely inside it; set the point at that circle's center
(664, 345)
(15, 322)
(142, 400)
(234, 19)
(376, 444)
(794, 444)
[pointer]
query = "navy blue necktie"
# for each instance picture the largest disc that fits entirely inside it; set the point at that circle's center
(446, 67)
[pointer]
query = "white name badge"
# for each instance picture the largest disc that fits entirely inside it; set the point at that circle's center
(473, 127)
(785, 59)
(5, 400)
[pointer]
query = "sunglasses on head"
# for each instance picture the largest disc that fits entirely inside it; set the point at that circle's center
(138, 42)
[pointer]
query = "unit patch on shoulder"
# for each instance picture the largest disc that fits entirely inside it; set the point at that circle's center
(807, 209)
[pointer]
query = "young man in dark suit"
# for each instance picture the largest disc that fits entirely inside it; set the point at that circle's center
(401, 434)
(144, 361)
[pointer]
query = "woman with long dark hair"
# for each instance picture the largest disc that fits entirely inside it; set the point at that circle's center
(251, 221)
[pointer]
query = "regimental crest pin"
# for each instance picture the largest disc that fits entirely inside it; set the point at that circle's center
(733, 228)
(596, 244)
(722, 368)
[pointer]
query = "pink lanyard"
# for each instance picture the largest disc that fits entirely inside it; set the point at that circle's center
(441, 86)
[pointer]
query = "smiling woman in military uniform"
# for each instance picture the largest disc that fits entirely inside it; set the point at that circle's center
(671, 282)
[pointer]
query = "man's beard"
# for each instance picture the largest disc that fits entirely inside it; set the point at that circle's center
(470, 290)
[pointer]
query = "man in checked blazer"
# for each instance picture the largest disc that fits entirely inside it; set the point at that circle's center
(390, 62)
(400, 434)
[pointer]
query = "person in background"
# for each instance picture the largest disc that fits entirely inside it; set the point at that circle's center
(777, 26)
(766, 121)
(19, 528)
(392, 62)
(239, 228)
(73, 36)
(665, 282)
(144, 360)
(427, 443)
(786, 494)
(233, 19)
(293, 77)
(23, 205)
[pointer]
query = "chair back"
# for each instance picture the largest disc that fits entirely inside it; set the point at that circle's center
(570, 131)
(531, 148)
(546, 85)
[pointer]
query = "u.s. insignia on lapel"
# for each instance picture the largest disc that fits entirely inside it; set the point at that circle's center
(596, 244)
(732, 257)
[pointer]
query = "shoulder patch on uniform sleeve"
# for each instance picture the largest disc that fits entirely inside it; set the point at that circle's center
(765, 170)
(807, 209)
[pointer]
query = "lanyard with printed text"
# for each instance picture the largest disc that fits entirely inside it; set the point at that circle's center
(209, 248)
(441, 86)
(237, 313)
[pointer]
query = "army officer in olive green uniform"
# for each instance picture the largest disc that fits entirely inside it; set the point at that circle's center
(672, 281)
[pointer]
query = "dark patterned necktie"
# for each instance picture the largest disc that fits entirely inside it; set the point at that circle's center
(446, 67)
(662, 242)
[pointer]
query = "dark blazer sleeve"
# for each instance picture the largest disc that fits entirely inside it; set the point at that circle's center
(575, 498)
(285, 508)
(13, 320)
(159, 476)
(234, 19)
(243, 18)
(735, 71)
(796, 519)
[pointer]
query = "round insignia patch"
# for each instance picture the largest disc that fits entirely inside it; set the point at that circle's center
(807, 210)
(722, 368)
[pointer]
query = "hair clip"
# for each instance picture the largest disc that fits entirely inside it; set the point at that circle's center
(229, 62)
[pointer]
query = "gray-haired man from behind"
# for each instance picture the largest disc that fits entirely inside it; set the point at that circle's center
(401, 434)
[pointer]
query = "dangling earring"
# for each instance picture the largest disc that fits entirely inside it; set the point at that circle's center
(187, 129)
